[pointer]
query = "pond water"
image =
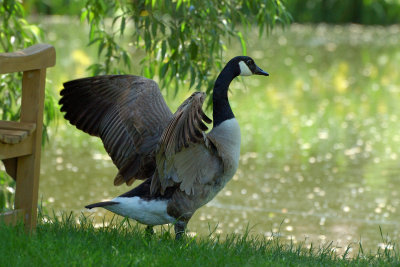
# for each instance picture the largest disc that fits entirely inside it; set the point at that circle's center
(320, 158)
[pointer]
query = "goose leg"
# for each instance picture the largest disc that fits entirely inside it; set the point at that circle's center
(180, 228)
(149, 231)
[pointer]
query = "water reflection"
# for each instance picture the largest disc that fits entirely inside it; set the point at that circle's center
(320, 146)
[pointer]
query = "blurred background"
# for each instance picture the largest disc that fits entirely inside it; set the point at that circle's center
(320, 156)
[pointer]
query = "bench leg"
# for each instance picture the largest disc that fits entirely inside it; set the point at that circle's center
(28, 167)
(26, 193)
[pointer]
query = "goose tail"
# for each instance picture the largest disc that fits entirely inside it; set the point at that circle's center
(101, 204)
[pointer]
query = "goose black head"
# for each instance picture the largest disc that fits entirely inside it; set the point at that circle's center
(247, 66)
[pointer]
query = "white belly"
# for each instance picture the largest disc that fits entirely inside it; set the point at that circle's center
(153, 212)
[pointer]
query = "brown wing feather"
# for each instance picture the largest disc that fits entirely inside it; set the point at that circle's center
(183, 153)
(186, 126)
(127, 112)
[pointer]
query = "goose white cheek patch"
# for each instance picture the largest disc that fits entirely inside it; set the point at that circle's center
(244, 69)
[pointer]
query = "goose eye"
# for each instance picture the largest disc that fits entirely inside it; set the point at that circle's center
(249, 62)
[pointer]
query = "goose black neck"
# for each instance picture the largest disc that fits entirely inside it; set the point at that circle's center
(221, 109)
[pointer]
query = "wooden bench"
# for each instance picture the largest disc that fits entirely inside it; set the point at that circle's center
(20, 142)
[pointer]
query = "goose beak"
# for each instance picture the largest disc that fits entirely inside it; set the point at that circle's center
(260, 72)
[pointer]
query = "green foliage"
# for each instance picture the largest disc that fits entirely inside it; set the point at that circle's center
(183, 40)
(64, 242)
(17, 34)
(381, 12)
(16, 31)
(54, 7)
(7, 185)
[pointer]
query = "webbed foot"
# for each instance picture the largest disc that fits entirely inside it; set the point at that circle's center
(149, 231)
(180, 228)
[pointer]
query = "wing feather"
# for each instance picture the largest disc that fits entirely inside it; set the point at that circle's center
(127, 112)
(184, 158)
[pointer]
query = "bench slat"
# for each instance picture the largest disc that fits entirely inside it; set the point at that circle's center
(12, 132)
(12, 136)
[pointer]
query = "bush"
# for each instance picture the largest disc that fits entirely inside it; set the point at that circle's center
(382, 12)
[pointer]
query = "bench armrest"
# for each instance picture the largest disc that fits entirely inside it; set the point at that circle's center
(38, 56)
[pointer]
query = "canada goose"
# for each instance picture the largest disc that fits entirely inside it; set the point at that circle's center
(183, 167)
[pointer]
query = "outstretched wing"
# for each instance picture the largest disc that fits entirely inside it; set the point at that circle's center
(127, 112)
(185, 157)
(186, 126)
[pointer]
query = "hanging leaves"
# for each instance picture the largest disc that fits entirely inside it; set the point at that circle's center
(183, 40)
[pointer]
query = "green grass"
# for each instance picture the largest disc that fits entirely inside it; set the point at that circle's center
(68, 241)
